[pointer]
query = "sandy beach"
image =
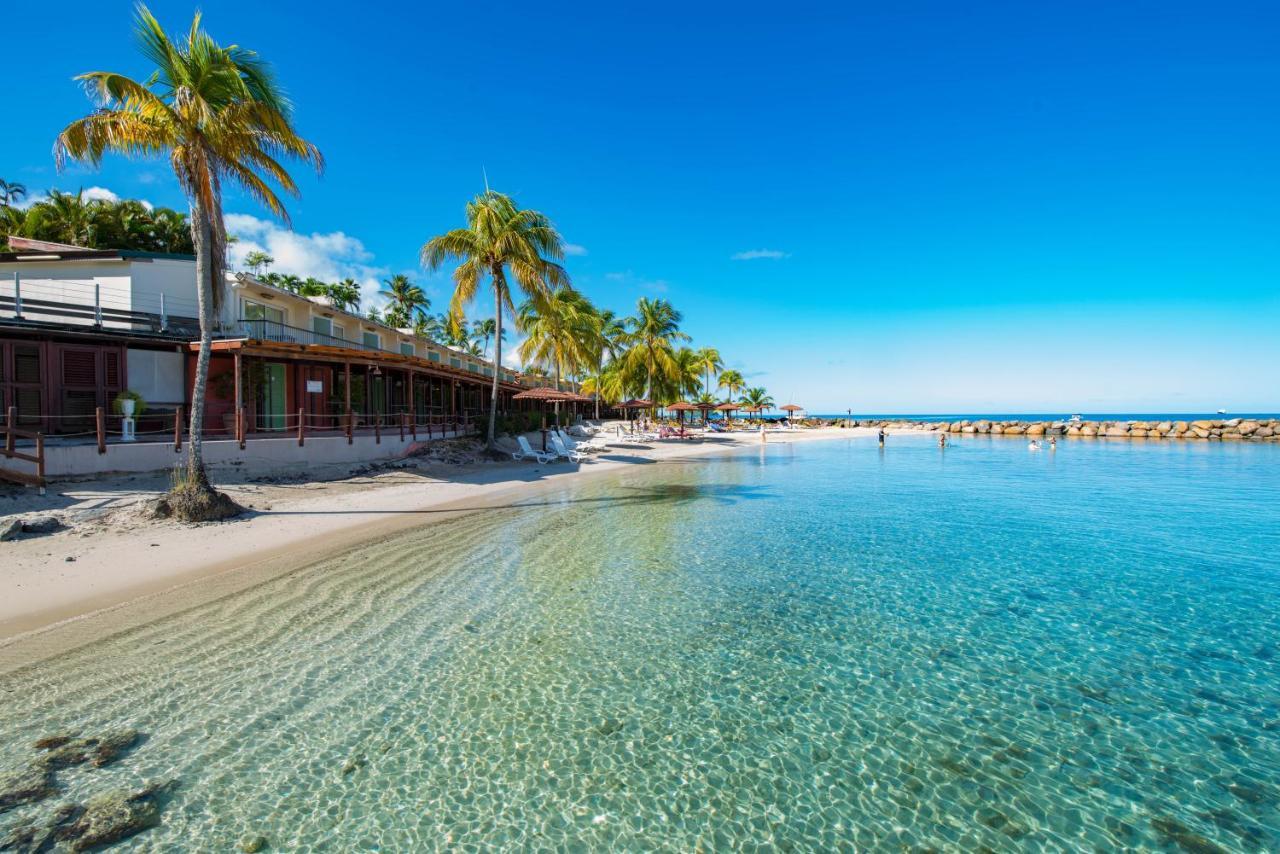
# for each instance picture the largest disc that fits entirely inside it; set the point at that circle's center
(109, 568)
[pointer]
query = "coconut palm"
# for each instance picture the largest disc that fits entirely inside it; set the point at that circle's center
(559, 330)
(11, 192)
(499, 236)
(711, 363)
(219, 115)
(257, 260)
(757, 397)
(345, 295)
(484, 330)
(651, 335)
(407, 300)
(733, 382)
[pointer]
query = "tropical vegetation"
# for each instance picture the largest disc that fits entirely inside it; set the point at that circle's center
(92, 223)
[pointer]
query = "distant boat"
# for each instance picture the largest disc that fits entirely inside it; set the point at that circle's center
(1222, 412)
(1076, 419)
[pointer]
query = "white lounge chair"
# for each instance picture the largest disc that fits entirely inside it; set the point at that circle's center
(526, 452)
(561, 450)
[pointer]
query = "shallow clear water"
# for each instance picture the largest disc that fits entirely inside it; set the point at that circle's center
(814, 647)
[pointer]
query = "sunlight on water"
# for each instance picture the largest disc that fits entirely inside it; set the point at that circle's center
(814, 646)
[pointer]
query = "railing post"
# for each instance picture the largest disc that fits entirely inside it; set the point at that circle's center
(350, 425)
(164, 315)
(40, 461)
(413, 427)
(100, 422)
(17, 295)
(240, 431)
(377, 429)
(301, 427)
(97, 303)
(401, 426)
(10, 424)
(177, 430)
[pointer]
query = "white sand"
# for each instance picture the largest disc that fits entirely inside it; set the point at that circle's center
(120, 562)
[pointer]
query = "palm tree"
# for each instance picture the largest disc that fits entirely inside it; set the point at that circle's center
(407, 300)
(257, 260)
(652, 335)
(685, 377)
(219, 115)
(732, 381)
(709, 359)
(11, 192)
(345, 295)
(757, 397)
(499, 236)
(559, 330)
(66, 218)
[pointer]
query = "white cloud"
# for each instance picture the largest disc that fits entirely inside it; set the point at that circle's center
(328, 257)
(574, 249)
(630, 278)
(756, 254)
(100, 193)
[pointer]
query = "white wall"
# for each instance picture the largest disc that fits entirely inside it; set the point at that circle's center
(176, 280)
(157, 375)
(69, 283)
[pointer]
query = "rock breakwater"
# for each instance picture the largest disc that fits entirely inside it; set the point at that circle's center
(1231, 429)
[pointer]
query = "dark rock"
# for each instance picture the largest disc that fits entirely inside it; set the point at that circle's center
(1184, 837)
(49, 742)
(609, 726)
(31, 784)
(113, 816)
(65, 751)
(10, 530)
(353, 764)
(41, 525)
(112, 745)
(253, 844)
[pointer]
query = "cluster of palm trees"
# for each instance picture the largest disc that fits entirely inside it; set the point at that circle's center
(217, 114)
(93, 223)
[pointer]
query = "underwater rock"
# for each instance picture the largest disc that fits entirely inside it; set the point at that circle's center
(113, 816)
(353, 764)
(1101, 695)
(609, 726)
(49, 742)
(1184, 837)
(65, 751)
(31, 784)
(253, 844)
(112, 745)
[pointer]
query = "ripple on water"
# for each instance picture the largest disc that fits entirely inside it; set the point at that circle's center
(815, 647)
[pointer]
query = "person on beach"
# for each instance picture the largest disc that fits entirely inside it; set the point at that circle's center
(881, 437)
(942, 440)
(1053, 443)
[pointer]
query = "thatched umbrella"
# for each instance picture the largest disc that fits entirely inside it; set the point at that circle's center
(791, 409)
(726, 408)
(545, 395)
(681, 407)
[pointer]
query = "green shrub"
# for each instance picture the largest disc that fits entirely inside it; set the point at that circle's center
(139, 405)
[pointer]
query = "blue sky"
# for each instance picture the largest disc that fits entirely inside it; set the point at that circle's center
(953, 207)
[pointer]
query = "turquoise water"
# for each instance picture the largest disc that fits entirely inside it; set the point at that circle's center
(816, 647)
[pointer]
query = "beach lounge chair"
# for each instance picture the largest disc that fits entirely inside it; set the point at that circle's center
(526, 452)
(562, 451)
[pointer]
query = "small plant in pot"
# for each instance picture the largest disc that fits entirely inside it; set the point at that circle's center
(129, 403)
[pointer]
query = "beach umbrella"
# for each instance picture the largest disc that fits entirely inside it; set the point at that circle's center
(681, 407)
(791, 409)
(547, 395)
(726, 408)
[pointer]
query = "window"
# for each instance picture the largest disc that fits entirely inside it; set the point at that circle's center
(258, 311)
(433, 356)
(338, 333)
(371, 339)
(322, 326)
(473, 368)
(455, 362)
(406, 349)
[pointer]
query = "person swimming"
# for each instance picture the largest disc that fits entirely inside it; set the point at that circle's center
(1033, 445)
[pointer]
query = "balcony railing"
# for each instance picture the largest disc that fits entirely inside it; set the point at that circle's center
(273, 330)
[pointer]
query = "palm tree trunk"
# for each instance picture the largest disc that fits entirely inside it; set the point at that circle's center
(497, 354)
(202, 234)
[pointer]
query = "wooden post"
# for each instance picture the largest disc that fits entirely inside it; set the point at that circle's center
(239, 402)
(403, 415)
(351, 423)
(100, 422)
(377, 429)
(11, 423)
(301, 426)
(40, 461)
(346, 367)
(177, 430)
(240, 431)
(412, 410)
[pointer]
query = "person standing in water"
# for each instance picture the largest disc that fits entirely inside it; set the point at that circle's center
(881, 436)
(942, 440)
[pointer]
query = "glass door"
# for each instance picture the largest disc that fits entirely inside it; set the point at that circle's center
(271, 397)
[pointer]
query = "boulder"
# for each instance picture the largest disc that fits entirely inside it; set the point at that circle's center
(41, 525)
(1014, 429)
(10, 530)
(1035, 429)
(1181, 426)
(1139, 425)
(1089, 430)
(968, 428)
(1165, 426)
(1199, 432)
(1204, 425)
(955, 427)
(1074, 430)
(982, 426)
(1247, 428)
(1117, 430)
(1263, 433)
(114, 816)
(1138, 432)
(25, 786)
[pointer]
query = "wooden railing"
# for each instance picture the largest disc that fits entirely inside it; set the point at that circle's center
(10, 451)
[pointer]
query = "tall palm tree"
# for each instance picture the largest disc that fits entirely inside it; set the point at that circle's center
(559, 330)
(709, 359)
(757, 397)
(652, 334)
(484, 330)
(407, 300)
(11, 192)
(499, 236)
(345, 295)
(219, 115)
(732, 381)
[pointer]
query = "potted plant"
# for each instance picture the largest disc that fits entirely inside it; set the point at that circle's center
(129, 403)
